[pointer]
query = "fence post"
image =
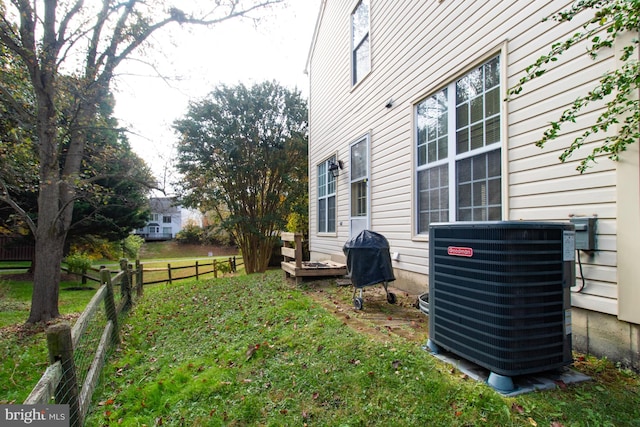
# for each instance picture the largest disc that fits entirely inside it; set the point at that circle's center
(139, 287)
(141, 277)
(110, 304)
(169, 270)
(235, 267)
(131, 283)
(215, 269)
(60, 348)
(197, 275)
(84, 276)
(125, 284)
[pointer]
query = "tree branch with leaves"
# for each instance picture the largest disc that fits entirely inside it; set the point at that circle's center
(618, 88)
(242, 153)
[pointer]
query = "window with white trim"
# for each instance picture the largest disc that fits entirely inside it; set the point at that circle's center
(458, 148)
(360, 43)
(359, 176)
(326, 197)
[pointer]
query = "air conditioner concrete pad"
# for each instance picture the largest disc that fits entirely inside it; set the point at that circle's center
(547, 380)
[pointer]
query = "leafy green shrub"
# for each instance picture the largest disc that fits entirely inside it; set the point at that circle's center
(131, 246)
(223, 267)
(216, 235)
(191, 233)
(298, 223)
(78, 262)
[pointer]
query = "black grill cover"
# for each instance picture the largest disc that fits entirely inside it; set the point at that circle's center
(368, 259)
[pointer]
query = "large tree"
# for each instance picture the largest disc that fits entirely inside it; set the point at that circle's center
(87, 41)
(614, 23)
(114, 199)
(243, 154)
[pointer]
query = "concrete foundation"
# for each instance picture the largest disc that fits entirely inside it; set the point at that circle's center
(603, 335)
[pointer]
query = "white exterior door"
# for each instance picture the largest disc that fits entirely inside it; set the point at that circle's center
(359, 187)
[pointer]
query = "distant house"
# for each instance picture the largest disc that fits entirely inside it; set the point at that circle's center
(408, 126)
(165, 220)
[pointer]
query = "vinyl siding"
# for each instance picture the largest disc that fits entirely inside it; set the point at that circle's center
(418, 48)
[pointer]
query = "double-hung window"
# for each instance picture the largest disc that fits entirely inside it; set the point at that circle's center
(360, 43)
(326, 197)
(459, 150)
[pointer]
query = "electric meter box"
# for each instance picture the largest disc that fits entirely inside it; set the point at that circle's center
(585, 227)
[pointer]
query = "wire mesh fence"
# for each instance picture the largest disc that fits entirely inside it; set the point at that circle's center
(77, 354)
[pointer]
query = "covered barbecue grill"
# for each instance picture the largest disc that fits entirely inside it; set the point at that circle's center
(369, 263)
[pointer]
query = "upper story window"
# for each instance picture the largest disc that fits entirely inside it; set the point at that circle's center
(360, 44)
(154, 217)
(326, 197)
(458, 150)
(166, 219)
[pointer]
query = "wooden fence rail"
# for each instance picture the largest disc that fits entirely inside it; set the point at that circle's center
(60, 379)
(200, 269)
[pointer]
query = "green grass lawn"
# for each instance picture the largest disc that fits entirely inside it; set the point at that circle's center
(23, 351)
(254, 350)
(172, 249)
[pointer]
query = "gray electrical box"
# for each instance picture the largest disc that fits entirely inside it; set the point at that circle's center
(585, 227)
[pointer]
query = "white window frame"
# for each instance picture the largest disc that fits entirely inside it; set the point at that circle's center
(358, 41)
(326, 190)
(453, 158)
(359, 209)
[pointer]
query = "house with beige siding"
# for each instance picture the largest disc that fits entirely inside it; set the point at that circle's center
(409, 126)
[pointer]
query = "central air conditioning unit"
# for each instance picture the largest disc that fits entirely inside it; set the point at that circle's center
(499, 295)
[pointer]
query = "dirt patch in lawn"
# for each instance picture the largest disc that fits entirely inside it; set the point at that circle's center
(22, 331)
(378, 318)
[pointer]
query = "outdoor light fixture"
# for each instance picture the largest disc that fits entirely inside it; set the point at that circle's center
(335, 168)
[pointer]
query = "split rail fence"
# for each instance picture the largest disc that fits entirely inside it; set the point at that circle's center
(154, 275)
(73, 374)
(77, 354)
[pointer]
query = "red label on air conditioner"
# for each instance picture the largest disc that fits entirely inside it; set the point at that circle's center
(457, 251)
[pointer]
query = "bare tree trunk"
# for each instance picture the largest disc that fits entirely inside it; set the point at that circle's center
(256, 252)
(46, 278)
(49, 236)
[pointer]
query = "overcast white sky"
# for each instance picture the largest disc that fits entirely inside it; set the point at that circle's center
(233, 52)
